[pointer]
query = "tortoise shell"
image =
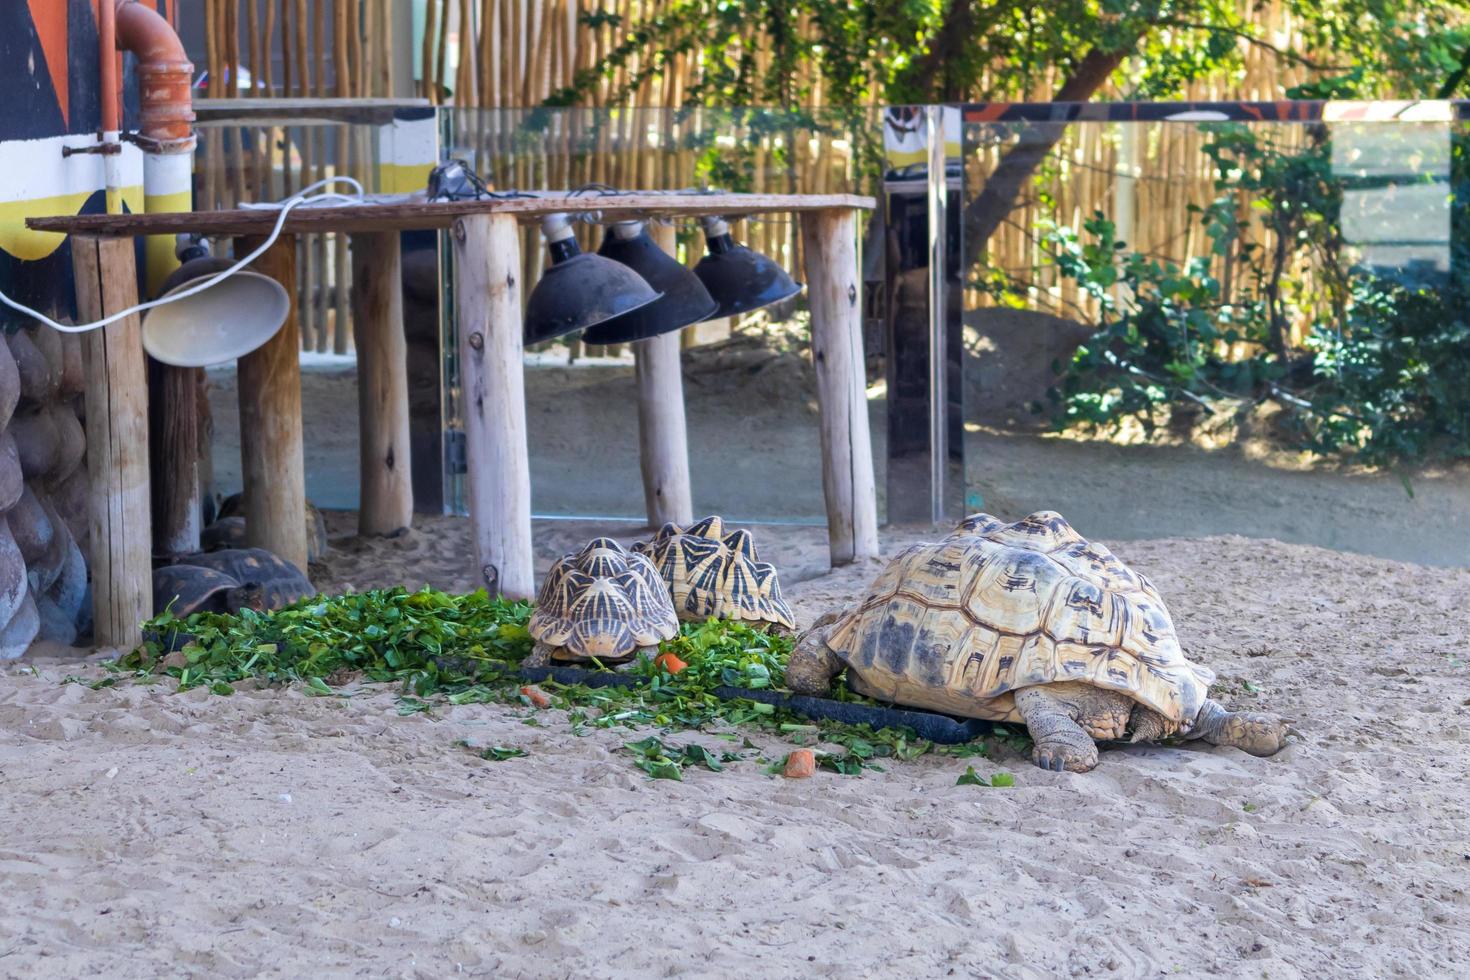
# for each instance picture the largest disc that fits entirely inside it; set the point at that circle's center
(602, 602)
(197, 582)
(227, 530)
(188, 589)
(711, 573)
(958, 625)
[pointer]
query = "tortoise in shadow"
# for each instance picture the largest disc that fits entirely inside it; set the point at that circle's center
(227, 529)
(228, 581)
(1026, 622)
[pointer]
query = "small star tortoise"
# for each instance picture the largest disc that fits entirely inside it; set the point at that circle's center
(711, 573)
(602, 603)
(228, 581)
(1026, 622)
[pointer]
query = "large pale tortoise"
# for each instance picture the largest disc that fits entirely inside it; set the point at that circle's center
(602, 604)
(1026, 622)
(711, 573)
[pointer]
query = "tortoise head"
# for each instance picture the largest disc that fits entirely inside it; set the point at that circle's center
(606, 645)
(248, 596)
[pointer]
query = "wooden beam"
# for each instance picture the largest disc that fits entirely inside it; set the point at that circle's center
(663, 442)
(386, 490)
(487, 263)
(120, 530)
(205, 432)
(403, 212)
(834, 292)
(271, 454)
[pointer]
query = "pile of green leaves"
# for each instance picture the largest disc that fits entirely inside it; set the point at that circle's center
(498, 753)
(443, 649)
(997, 780)
(662, 761)
(722, 652)
(427, 641)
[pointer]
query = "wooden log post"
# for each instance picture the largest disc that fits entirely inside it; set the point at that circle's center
(205, 433)
(834, 292)
(119, 525)
(272, 459)
(173, 441)
(663, 442)
(385, 503)
(487, 264)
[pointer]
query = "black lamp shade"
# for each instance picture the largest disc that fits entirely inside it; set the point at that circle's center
(741, 279)
(685, 300)
(580, 290)
(198, 267)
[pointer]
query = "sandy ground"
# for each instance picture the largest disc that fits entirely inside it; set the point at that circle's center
(153, 834)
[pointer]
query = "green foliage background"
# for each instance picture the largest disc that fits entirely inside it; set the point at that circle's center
(914, 51)
(1381, 378)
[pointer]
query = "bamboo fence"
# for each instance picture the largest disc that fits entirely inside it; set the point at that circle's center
(1147, 178)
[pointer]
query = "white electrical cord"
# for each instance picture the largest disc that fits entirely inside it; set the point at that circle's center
(303, 197)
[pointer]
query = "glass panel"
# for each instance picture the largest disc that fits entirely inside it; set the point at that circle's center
(248, 163)
(1223, 322)
(748, 381)
(749, 389)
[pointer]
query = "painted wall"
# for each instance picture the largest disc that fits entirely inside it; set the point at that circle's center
(49, 77)
(49, 100)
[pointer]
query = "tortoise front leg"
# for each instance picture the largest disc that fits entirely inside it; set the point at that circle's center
(540, 656)
(1052, 720)
(1252, 731)
(812, 664)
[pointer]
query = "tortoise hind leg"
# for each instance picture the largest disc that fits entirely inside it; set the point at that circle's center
(1252, 731)
(1148, 725)
(1065, 718)
(812, 664)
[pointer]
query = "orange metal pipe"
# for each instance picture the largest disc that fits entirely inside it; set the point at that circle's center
(164, 72)
(107, 55)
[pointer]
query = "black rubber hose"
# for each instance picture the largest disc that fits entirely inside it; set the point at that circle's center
(940, 729)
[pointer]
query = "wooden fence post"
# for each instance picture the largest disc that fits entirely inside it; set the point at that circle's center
(117, 442)
(487, 263)
(271, 453)
(386, 498)
(174, 446)
(663, 441)
(834, 292)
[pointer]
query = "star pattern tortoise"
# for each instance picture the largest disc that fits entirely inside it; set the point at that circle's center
(228, 581)
(713, 574)
(1026, 622)
(602, 603)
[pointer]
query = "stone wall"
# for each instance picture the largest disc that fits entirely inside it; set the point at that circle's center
(43, 491)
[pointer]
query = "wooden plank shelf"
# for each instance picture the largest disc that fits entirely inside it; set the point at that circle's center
(410, 212)
(301, 111)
